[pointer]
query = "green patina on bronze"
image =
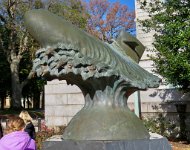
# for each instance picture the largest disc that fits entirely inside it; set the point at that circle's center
(106, 74)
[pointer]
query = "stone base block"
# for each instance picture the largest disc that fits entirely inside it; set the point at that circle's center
(156, 142)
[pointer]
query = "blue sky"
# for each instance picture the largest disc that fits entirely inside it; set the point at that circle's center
(129, 3)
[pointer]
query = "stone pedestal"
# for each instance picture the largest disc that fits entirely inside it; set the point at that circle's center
(156, 142)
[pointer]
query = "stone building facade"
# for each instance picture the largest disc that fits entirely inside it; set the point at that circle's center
(62, 102)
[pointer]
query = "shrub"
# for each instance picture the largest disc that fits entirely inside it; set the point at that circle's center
(46, 133)
(162, 125)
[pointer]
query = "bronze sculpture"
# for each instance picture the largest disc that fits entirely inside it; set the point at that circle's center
(106, 74)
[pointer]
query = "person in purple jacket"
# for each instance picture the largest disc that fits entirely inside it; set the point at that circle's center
(15, 137)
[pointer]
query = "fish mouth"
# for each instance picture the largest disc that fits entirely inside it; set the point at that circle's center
(45, 27)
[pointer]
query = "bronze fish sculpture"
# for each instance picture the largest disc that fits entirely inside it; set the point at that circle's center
(106, 74)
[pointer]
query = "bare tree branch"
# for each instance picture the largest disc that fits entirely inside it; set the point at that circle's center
(3, 19)
(30, 76)
(11, 8)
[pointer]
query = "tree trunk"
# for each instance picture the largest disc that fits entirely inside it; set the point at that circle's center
(43, 100)
(24, 102)
(16, 94)
(181, 110)
(28, 102)
(36, 100)
(2, 104)
(2, 97)
(16, 86)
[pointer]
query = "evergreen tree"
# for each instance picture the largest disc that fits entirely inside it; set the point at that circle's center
(171, 22)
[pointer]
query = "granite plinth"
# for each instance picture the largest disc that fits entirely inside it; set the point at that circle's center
(156, 142)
